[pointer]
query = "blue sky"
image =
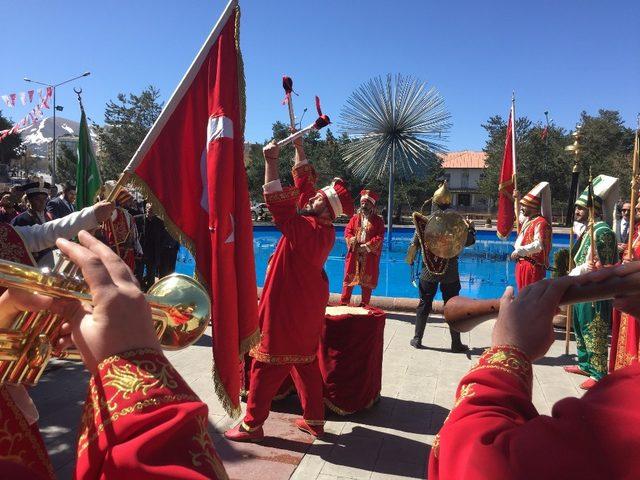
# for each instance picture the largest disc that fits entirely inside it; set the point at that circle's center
(562, 56)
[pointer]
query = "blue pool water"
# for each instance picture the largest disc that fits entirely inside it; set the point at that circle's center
(484, 267)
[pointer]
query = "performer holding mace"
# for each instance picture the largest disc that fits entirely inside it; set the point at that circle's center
(295, 294)
(364, 235)
(532, 247)
(597, 246)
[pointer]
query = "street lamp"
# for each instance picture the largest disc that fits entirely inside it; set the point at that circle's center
(53, 87)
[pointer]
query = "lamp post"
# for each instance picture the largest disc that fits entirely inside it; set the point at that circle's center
(53, 87)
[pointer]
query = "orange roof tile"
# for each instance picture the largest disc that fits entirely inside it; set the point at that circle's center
(464, 159)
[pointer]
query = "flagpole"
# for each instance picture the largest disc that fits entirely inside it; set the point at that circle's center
(513, 156)
(173, 102)
(634, 193)
(573, 193)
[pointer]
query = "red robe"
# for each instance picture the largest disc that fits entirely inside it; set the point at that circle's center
(363, 268)
(296, 288)
(625, 330)
(119, 234)
(494, 432)
(140, 421)
(533, 267)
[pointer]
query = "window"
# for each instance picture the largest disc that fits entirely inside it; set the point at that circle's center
(464, 199)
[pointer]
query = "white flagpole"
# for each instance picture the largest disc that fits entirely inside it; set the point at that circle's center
(175, 99)
(513, 157)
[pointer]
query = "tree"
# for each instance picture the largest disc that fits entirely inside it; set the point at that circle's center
(11, 147)
(66, 165)
(607, 146)
(538, 159)
(127, 122)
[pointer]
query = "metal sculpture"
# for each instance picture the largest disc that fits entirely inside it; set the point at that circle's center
(397, 124)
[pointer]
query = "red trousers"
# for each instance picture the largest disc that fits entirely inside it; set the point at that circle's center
(266, 379)
(346, 294)
(528, 273)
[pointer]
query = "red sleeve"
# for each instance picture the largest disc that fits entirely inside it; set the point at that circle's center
(494, 431)
(350, 229)
(142, 421)
(377, 235)
(22, 451)
(304, 178)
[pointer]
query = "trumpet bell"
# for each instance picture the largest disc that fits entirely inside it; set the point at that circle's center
(187, 310)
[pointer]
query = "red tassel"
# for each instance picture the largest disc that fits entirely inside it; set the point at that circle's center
(321, 121)
(287, 84)
(318, 106)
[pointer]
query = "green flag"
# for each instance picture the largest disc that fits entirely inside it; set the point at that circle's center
(88, 180)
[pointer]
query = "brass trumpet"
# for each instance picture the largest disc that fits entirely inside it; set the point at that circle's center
(180, 309)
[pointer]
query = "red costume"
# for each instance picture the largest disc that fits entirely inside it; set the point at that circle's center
(137, 411)
(494, 432)
(533, 266)
(533, 244)
(362, 267)
(293, 301)
(625, 329)
(121, 235)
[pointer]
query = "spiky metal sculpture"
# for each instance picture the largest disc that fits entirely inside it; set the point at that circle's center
(396, 125)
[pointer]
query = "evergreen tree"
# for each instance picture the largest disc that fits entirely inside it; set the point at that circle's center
(607, 146)
(66, 165)
(127, 121)
(11, 147)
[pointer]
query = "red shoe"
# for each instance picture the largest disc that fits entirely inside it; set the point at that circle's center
(315, 430)
(239, 433)
(588, 383)
(575, 369)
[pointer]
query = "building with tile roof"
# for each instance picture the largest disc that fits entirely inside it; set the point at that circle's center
(462, 171)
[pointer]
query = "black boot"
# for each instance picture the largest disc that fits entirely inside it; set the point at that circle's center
(421, 323)
(456, 344)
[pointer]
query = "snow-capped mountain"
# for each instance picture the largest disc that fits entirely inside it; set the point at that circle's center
(37, 136)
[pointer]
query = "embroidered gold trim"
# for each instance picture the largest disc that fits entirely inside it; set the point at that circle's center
(206, 453)
(509, 360)
(284, 195)
(334, 408)
(85, 439)
(280, 359)
(25, 430)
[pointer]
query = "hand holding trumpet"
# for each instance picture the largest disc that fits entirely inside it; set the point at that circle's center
(120, 318)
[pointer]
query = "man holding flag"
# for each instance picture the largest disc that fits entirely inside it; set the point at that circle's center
(191, 167)
(533, 244)
(596, 247)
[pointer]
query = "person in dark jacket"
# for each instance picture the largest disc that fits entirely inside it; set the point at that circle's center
(61, 206)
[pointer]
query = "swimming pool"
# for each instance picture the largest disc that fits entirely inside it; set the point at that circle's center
(484, 267)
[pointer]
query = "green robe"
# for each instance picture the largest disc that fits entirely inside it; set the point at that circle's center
(592, 320)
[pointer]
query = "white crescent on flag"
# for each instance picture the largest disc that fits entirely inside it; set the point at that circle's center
(217, 127)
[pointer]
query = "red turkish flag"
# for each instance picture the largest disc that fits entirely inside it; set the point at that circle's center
(192, 162)
(506, 211)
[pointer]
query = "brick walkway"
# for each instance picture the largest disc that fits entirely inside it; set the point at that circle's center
(391, 440)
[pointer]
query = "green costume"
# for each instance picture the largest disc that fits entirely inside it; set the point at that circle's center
(592, 320)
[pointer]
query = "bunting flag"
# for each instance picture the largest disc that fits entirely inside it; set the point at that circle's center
(29, 119)
(11, 99)
(191, 163)
(506, 209)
